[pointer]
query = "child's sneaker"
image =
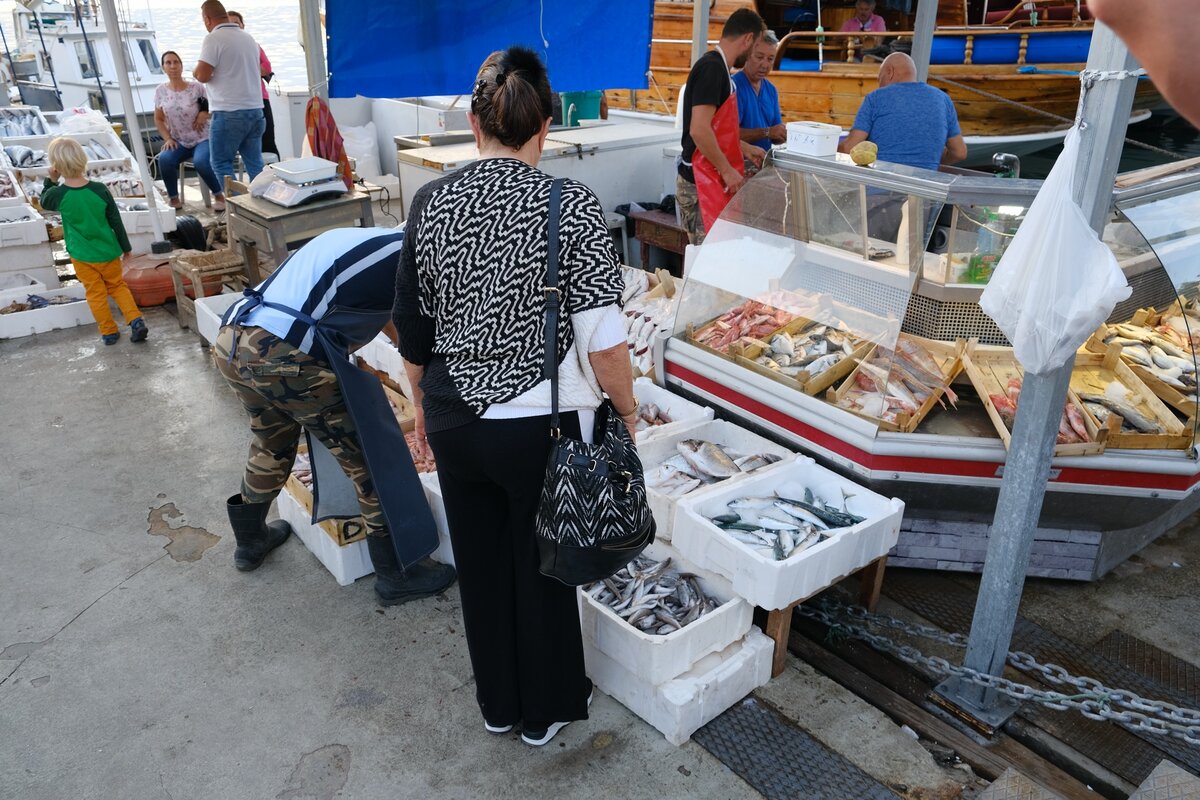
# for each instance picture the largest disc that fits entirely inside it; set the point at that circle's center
(111, 338)
(138, 331)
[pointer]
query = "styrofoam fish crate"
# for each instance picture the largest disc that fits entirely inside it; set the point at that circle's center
(772, 584)
(16, 286)
(26, 257)
(16, 230)
(209, 311)
(433, 494)
(48, 276)
(657, 449)
(683, 413)
(142, 221)
(382, 355)
(51, 318)
(18, 198)
(657, 659)
(680, 706)
(346, 563)
(118, 154)
(17, 117)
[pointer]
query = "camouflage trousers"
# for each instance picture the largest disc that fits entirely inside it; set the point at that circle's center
(689, 209)
(285, 391)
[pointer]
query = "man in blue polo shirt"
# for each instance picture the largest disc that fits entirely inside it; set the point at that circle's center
(759, 117)
(910, 122)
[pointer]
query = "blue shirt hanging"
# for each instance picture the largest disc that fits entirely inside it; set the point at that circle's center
(757, 109)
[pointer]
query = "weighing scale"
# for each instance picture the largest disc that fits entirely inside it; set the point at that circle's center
(304, 180)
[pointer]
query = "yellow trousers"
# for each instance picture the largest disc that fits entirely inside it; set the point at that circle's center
(101, 281)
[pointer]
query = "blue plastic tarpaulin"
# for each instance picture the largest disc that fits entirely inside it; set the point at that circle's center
(411, 48)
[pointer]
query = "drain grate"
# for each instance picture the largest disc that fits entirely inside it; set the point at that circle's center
(781, 761)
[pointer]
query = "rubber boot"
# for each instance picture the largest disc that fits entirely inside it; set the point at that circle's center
(255, 538)
(395, 585)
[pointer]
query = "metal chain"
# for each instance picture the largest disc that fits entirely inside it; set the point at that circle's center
(1091, 698)
(1051, 115)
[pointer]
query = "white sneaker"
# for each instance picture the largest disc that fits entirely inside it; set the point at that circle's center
(539, 738)
(496, 729)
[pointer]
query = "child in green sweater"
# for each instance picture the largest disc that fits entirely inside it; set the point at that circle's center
(96, 238)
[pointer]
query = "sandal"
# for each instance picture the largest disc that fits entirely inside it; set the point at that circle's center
(175, 202)
(218, 206)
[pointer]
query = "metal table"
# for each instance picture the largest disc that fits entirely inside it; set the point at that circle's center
(255, 223)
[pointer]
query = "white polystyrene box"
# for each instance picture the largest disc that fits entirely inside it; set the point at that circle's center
(683, 413)
(680, 706)
(433, 494)
(209, 311)
(136, 222)
(813, 138)
(346, 563)
(382, 355)
(14, 230)
(26, 257)
(16, 286)
(657, 449)
(657, 659)
(40, 320)
(772, 584)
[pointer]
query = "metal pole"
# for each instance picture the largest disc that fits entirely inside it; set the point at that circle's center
(91, 51)
(1105, 118)
(314, 48)
(12, 68)
(112, 29)
(37, 22)
(923, 37)
(699, 29)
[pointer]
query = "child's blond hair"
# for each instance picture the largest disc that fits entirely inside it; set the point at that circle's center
(67, 157)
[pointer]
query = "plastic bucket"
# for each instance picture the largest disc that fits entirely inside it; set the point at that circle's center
(587, 106)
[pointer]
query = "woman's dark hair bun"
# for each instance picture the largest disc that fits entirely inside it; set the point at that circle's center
(512, 97)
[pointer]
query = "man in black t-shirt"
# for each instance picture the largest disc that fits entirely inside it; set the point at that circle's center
(708, 87)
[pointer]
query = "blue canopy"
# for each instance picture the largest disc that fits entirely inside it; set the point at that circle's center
(409, 48)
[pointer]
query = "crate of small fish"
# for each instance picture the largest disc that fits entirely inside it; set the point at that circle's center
(657, 617)
(29, 153)
(805, 355)
(689, 462)
(787, 534)
(51, 310)
(997, 377)
(1116, 398)
(1158, 349)
(10, 189)
(897, 387)
(21, 225)
(746, 323)
(22, 121)
(662, 413)
(648, 312)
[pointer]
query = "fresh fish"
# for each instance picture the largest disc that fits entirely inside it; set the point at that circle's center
(800, 513)
(782, 344)
(708, 458)
(1162, 359)
(751, 504)
(756, 461)
(1075, 420)
(823, 363)
(1136, 419)
(652, 596)
(1138, 354)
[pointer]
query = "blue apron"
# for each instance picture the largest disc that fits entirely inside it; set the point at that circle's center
(385, 451)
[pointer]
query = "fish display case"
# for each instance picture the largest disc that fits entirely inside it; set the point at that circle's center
(836, 308)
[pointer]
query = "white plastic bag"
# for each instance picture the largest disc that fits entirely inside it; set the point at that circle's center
(361, 145)
(1056, 281)
(82, 120)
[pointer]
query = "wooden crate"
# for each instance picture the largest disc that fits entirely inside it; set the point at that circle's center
(1175, 398)
(1094, 371)
(948, 355)
(990, 369)
(693, 329)
(744, 356)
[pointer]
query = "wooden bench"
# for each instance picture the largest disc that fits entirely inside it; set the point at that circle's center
(659, 229)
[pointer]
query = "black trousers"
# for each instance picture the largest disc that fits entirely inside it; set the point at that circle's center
(268, 137)
(522, 628)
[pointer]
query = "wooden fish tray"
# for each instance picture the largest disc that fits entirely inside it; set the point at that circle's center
(1094, 372)
(990, 369)
(948, 355)
(1165, 391)
(343, 531)
(693, 329)
(744, 356)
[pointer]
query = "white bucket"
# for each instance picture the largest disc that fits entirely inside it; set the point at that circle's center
(813, 138)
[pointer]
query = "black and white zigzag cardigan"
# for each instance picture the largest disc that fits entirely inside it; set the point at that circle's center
(469, 300)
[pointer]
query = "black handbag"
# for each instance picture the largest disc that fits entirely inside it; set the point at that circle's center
(593, 517)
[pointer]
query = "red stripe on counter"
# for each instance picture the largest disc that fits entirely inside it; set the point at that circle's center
(930, 466)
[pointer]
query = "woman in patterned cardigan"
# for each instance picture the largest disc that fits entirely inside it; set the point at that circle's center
(469, 310)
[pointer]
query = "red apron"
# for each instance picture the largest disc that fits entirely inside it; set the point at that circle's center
(710, 189)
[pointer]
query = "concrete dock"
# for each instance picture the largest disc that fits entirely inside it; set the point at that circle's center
(135, 662)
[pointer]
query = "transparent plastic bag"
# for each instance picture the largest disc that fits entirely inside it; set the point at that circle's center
(83, 120)
(1057, 281)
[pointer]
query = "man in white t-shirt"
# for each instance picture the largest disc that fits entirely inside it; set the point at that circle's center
(229, 69)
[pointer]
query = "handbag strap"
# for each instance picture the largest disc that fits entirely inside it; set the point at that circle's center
(553, 305)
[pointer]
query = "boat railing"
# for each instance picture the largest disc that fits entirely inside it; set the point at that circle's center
(960, 45)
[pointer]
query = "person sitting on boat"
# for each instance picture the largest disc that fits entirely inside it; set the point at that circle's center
(910, 122)
(710, 126)
(181, 116)
(283, 348)
(759, 117)
(229, 66)
(865, 20)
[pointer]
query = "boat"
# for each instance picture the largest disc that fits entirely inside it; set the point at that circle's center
(1006, 76)
(62, 59)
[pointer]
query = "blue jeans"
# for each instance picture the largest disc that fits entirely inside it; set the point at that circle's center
(234, 132)
(169, 161)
